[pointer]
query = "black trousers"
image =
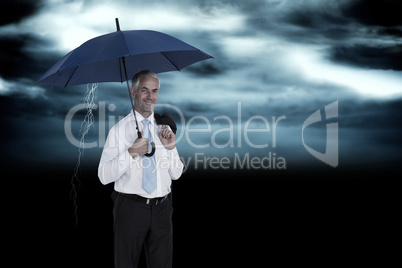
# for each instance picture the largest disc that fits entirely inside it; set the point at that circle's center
(138, 225)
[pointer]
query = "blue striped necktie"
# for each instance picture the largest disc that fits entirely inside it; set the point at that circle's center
(148, 163)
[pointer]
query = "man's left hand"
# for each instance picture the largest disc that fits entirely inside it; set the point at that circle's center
(167, 137)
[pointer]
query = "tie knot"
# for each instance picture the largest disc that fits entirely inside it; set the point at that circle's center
(145, 122)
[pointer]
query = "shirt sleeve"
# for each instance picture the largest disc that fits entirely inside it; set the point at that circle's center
(176, 165)
(115, 159)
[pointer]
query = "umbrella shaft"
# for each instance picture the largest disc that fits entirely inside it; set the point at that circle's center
(129, 93)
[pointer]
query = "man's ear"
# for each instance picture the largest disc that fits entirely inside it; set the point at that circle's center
(132, 92)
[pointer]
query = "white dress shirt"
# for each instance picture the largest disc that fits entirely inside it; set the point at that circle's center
(116, 165)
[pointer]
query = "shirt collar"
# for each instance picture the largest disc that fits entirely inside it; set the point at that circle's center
(140, 117)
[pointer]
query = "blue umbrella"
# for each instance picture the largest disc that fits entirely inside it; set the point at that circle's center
(117, 56)
(104, 58)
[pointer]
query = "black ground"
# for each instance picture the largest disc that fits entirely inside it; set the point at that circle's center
(221, 218)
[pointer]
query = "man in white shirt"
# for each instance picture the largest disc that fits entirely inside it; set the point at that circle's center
(142, 199)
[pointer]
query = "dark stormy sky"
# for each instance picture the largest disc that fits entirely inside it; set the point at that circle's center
(276, 62)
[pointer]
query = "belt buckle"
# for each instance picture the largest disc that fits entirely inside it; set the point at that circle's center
(157, 200)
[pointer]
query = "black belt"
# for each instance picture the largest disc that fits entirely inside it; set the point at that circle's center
(148, 201)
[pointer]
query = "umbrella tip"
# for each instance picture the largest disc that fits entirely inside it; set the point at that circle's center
(117, 24)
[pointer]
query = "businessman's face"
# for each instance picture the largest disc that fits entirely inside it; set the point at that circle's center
(146, 95)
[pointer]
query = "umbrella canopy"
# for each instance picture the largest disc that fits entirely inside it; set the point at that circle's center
(101, 59)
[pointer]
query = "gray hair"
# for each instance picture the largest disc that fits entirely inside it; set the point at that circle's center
(138, 76)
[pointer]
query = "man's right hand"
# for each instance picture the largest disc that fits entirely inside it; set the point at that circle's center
(139, 147)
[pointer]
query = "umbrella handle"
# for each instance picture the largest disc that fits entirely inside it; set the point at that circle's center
(152, 151)
(152, 145)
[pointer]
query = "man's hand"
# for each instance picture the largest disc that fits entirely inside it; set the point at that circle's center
(167, 137)
(139, 147)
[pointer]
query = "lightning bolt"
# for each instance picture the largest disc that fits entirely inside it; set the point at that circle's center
(89, 104)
